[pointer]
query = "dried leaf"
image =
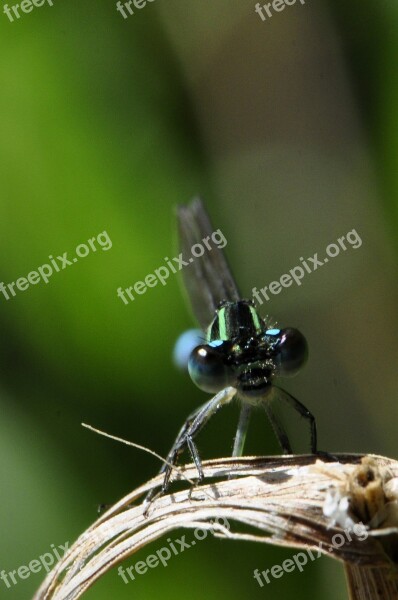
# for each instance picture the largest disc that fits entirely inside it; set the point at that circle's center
(296, 501)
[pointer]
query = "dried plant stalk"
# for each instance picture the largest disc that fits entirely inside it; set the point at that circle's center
(296, 501)
(366, 583)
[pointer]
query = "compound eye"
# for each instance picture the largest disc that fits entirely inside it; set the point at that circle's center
(291, 351)
(208, 370)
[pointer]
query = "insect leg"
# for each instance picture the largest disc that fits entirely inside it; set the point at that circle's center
(241, 431)
(192, 426)
(304, 412)
(278, 428)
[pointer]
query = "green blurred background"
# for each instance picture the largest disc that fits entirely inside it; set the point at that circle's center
(288, 128)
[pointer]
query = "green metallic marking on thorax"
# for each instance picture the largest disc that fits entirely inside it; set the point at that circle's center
(223, 321)
(258, 326)
(235, 320)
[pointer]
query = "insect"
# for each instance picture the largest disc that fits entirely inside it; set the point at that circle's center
(240, 354)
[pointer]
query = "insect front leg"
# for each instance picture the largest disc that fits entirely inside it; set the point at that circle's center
(277, 427)
(192, 426)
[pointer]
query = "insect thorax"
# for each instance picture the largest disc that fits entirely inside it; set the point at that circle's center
(240, 324)
(235, 320)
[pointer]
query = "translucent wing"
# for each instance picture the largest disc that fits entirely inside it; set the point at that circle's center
(207, 278)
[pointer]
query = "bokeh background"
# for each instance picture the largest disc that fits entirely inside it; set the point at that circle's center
(288, 129)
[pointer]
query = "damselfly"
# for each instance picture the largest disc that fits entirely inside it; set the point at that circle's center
(242, 353)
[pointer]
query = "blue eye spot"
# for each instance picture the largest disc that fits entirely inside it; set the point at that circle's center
(215, 343)
(272, 332)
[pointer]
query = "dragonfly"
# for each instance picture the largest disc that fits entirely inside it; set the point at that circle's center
(240, 353)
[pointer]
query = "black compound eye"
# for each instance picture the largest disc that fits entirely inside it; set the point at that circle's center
(208, 370)
(291, 351)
